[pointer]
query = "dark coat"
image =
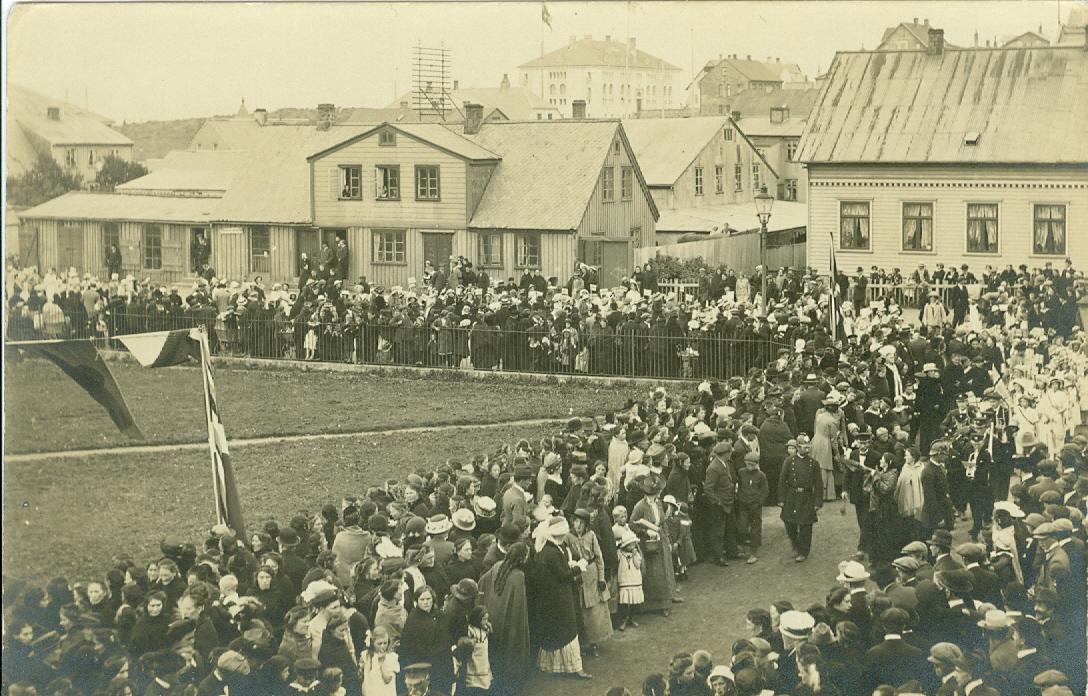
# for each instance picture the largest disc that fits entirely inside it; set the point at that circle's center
(425, 638)
(893, 662)
(808, 403)
(554, 608)
(773, 436)
(800, 490)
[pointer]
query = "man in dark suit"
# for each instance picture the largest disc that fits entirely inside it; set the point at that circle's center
(894, 661)
(858, 468)
(800, 493)
(808, 403)
(987, 585)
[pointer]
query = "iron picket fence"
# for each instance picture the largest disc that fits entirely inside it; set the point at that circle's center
(628, 351)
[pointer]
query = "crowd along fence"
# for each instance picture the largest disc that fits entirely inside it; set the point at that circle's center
(626, 352)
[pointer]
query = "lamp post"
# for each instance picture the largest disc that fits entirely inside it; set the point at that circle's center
(764, 201)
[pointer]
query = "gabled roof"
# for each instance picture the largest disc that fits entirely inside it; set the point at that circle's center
(180, 181)
(754, 70)
(908, 106)
(81, 205)
(516, 103)
(755, 103)
(433, 134)
(548, 172)
(1028, 38)
(590, 53)
(23, 100)
(233, 133)
(666, 147)
(919, 32)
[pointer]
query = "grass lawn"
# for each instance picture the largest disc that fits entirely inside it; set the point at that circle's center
(69, 516)
(47, 411)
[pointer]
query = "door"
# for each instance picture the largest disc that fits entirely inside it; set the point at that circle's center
(307, 241)
(437, 248)
(70, 247)
(615, 261)
(173, 259)
(199, 253)
(28, 246)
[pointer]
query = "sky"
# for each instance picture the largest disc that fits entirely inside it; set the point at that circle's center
(135, 61)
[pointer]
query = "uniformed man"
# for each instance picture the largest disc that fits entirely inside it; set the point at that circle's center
(800, 493)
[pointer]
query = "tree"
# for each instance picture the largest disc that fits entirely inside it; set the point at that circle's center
(116, 171)
(44, 182)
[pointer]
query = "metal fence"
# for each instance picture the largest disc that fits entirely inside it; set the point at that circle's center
(626, 352)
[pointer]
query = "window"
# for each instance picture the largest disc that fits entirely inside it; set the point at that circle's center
(489, 249)
(387, 178)
(260, 250)
(698, 181)
(791, 150)
(738, 177)
(729, 90)
(70, 157)
(389, 246)
(387, 138)
(608, 184)
(854, 224)
(627, 183)
(527, 251)
(917, 227)
(111, 236)
(351, 182)
(152, 247)
(552, 90)
(755, 176)
(721, 90)
(719, 179)
(1049, 237)
(636, 237)
(727, 134)
(779, 114)
(562, 90)
(426, 182)
(90, 158)
(789, 189)
(982, 228)
(616, 148)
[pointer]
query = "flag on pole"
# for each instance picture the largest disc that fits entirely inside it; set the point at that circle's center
(162, 348)
(228, 506)
(545, 16)
(834, 311)
(80, 361)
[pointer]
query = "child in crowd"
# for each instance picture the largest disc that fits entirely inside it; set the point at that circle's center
(679, 525)
(380, 665)
(630, 578)
(752, 489)
(619, 521)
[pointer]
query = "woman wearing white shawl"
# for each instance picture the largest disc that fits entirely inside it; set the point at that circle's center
(909, 495)
(1055, 405)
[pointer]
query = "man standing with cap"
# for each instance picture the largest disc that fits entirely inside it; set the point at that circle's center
(919, 552)
(947, 661)
(800, 493)
(515, 501)
(417, 681)
(719, 493)
(903, 592)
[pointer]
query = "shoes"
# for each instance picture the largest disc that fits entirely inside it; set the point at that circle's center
(677, 600)
(622, 626)
(632, 623)
(666, 613)
(800, 559)
(751, 559)
(859, 556)
(722, 562)
(583, 675)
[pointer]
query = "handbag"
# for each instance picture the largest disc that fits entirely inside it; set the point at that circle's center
(652, 547)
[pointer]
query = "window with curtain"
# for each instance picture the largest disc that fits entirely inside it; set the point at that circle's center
(527, 251)
(917, 227)
(489, 252)
(260, 250)
(1049, 236)
(389, 247)
(982, 228)
(854, 224)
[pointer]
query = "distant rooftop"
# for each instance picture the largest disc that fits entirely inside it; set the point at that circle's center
(590, 53)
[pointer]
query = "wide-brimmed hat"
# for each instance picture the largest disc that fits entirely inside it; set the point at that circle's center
(509, 534)
(852, 571)
(466, 590)
(995, 620)
(653, 484)
(484, 507)
(464, 519)
(437, 524)
(958, 581)
(796, 624)
(928, 367)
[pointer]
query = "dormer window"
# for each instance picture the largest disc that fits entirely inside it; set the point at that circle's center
(779, 114)
(387, 138)
(971, 138)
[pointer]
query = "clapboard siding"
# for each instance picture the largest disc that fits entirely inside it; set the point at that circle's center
(616, 218)
(447, 213)
(1015, 189)
(725, 153)
(231, 251)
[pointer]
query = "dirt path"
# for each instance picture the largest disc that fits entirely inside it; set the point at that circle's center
(148, 449)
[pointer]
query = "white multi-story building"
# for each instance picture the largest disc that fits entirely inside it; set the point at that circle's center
(615, 79)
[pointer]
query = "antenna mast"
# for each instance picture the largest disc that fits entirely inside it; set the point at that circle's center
(431, 82)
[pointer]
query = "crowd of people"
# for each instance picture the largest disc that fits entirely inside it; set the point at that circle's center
(470, 576)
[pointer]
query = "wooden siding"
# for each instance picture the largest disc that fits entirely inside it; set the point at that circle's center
(718, 151)
(618, 217)
(478, 177)
(950, 188)
(83, 167)
(774, 150)
(557, 253)
(447, 213)
(231, 253)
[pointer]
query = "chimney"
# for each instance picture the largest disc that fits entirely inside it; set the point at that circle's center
(608, 38)
(404, 105)
(936, 42)
(260, 116)
(578, 109)
(631, 43)
(474, 116)
(455, 83)
(719, 56)
(325, 115)
(915, 20)
(749, 57)
(976, 39)
(778, 60)
(505, 84)
(735, 115)
(53, 113)
(926, 21)
(573, 39)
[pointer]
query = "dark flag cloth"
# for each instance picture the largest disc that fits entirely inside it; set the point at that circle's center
(228, 506)
(80, 361)
(162, 348)
(834, 313)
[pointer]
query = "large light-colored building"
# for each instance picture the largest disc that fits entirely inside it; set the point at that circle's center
(510, 102)
(963, 156)
(614, 78)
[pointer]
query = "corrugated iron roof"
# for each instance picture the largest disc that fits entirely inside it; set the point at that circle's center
(790, 128)
(1026, 104)
(548, 172)
(180, 180)
(666, 147)
(81, 205)
(754, 103)
(71, 130)
(590, 53)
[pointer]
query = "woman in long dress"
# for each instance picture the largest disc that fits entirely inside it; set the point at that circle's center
(825, 436)
(648, 521)
(556, 625)
(883, 519)
(593, 592)
(503, 591)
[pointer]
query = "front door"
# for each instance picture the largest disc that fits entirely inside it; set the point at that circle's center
(437, 248)
(70, 247)
(615, 262)
(307, 242)
(199, 253)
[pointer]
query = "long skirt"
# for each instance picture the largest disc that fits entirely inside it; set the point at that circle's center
(597, 624)
(658, 582)
(565, 660)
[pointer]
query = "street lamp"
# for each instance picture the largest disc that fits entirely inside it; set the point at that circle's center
(764, 201)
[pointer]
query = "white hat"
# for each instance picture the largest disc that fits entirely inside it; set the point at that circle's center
(1010, 507)
(852, 571)
(720, 671)
(796, 624)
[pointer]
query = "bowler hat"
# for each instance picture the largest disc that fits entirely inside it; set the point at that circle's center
(941, 537)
